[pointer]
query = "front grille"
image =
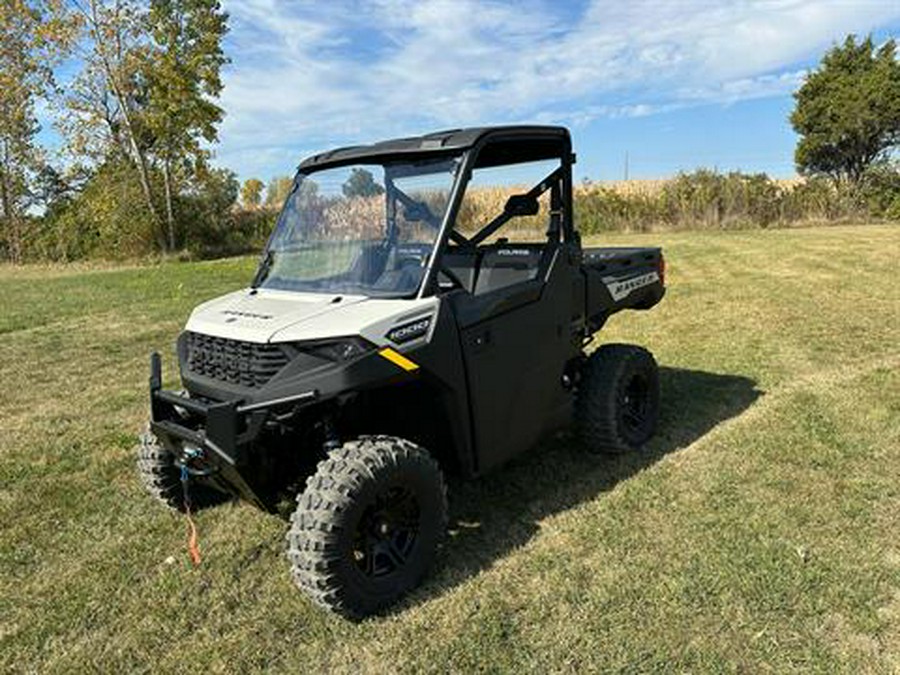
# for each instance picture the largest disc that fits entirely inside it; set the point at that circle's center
(247, 364)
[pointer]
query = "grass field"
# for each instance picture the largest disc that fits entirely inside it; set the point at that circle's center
(759, 532)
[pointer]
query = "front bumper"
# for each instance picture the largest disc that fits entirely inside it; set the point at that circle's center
(222, 432)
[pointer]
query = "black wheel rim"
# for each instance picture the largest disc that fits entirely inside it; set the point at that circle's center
(635, 403)
(386, 534)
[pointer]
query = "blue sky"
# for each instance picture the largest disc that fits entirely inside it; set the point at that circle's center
(674, 84)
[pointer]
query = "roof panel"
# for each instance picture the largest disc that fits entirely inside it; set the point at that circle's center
(450, 140)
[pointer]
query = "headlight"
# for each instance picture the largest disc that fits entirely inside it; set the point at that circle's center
(338, 351)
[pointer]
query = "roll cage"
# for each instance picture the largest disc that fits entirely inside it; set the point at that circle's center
(475, 148)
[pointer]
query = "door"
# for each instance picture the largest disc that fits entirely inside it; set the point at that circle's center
(514, 286)
(516, 342)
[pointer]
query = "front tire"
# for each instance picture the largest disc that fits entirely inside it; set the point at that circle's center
(368, 524)
(617, 407)
(161, 478)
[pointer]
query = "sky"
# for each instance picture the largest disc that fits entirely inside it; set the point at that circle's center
(647, 88)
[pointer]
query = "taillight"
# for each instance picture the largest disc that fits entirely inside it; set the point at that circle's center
(662, 270)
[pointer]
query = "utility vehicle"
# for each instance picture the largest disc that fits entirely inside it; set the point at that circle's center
(421, 307)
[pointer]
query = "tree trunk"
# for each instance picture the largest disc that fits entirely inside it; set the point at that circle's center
(6, 218)
(140, 161)
(15, 239)
(170, 214)
(9, 215)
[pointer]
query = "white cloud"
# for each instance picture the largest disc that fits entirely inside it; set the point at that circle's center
(306, 75)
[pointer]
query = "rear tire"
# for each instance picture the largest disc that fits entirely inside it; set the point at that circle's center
(162, 479)
(368, 524)
(617, 407)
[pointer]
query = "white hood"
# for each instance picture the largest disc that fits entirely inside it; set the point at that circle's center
(280, 316)
(257, 316)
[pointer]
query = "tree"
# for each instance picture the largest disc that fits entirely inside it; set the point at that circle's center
(183, 76)
(848, 110)
(361, 183)
(104, 218)
(35, 34)
(277, 191)
(251, 192)
(111, 90)
(209, 207)
(51, 188)
(147, 93)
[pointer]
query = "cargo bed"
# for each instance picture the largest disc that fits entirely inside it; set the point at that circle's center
(618, 278)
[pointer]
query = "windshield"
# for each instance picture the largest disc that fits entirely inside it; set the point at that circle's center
(363, 229)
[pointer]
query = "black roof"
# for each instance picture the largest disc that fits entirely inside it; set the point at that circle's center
(436, 143)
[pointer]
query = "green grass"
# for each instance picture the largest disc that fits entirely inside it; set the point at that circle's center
(759, 532)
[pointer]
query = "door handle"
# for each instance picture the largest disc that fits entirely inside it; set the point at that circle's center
(481, 340)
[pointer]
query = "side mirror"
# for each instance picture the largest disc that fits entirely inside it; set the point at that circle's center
(522, 205)
(413, 213)
(417, 212)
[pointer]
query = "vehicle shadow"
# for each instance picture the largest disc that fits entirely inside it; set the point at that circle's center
(499, 512)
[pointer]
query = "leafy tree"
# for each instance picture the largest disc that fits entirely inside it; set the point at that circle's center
(146, 93)
(251, 192)
(309, 190)
(182, 71)
(361, 183)
(848, 111)
(109, 95)
(35, 34)
(104, 219)
(277, 191)
(209, 209)
(52, 189)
